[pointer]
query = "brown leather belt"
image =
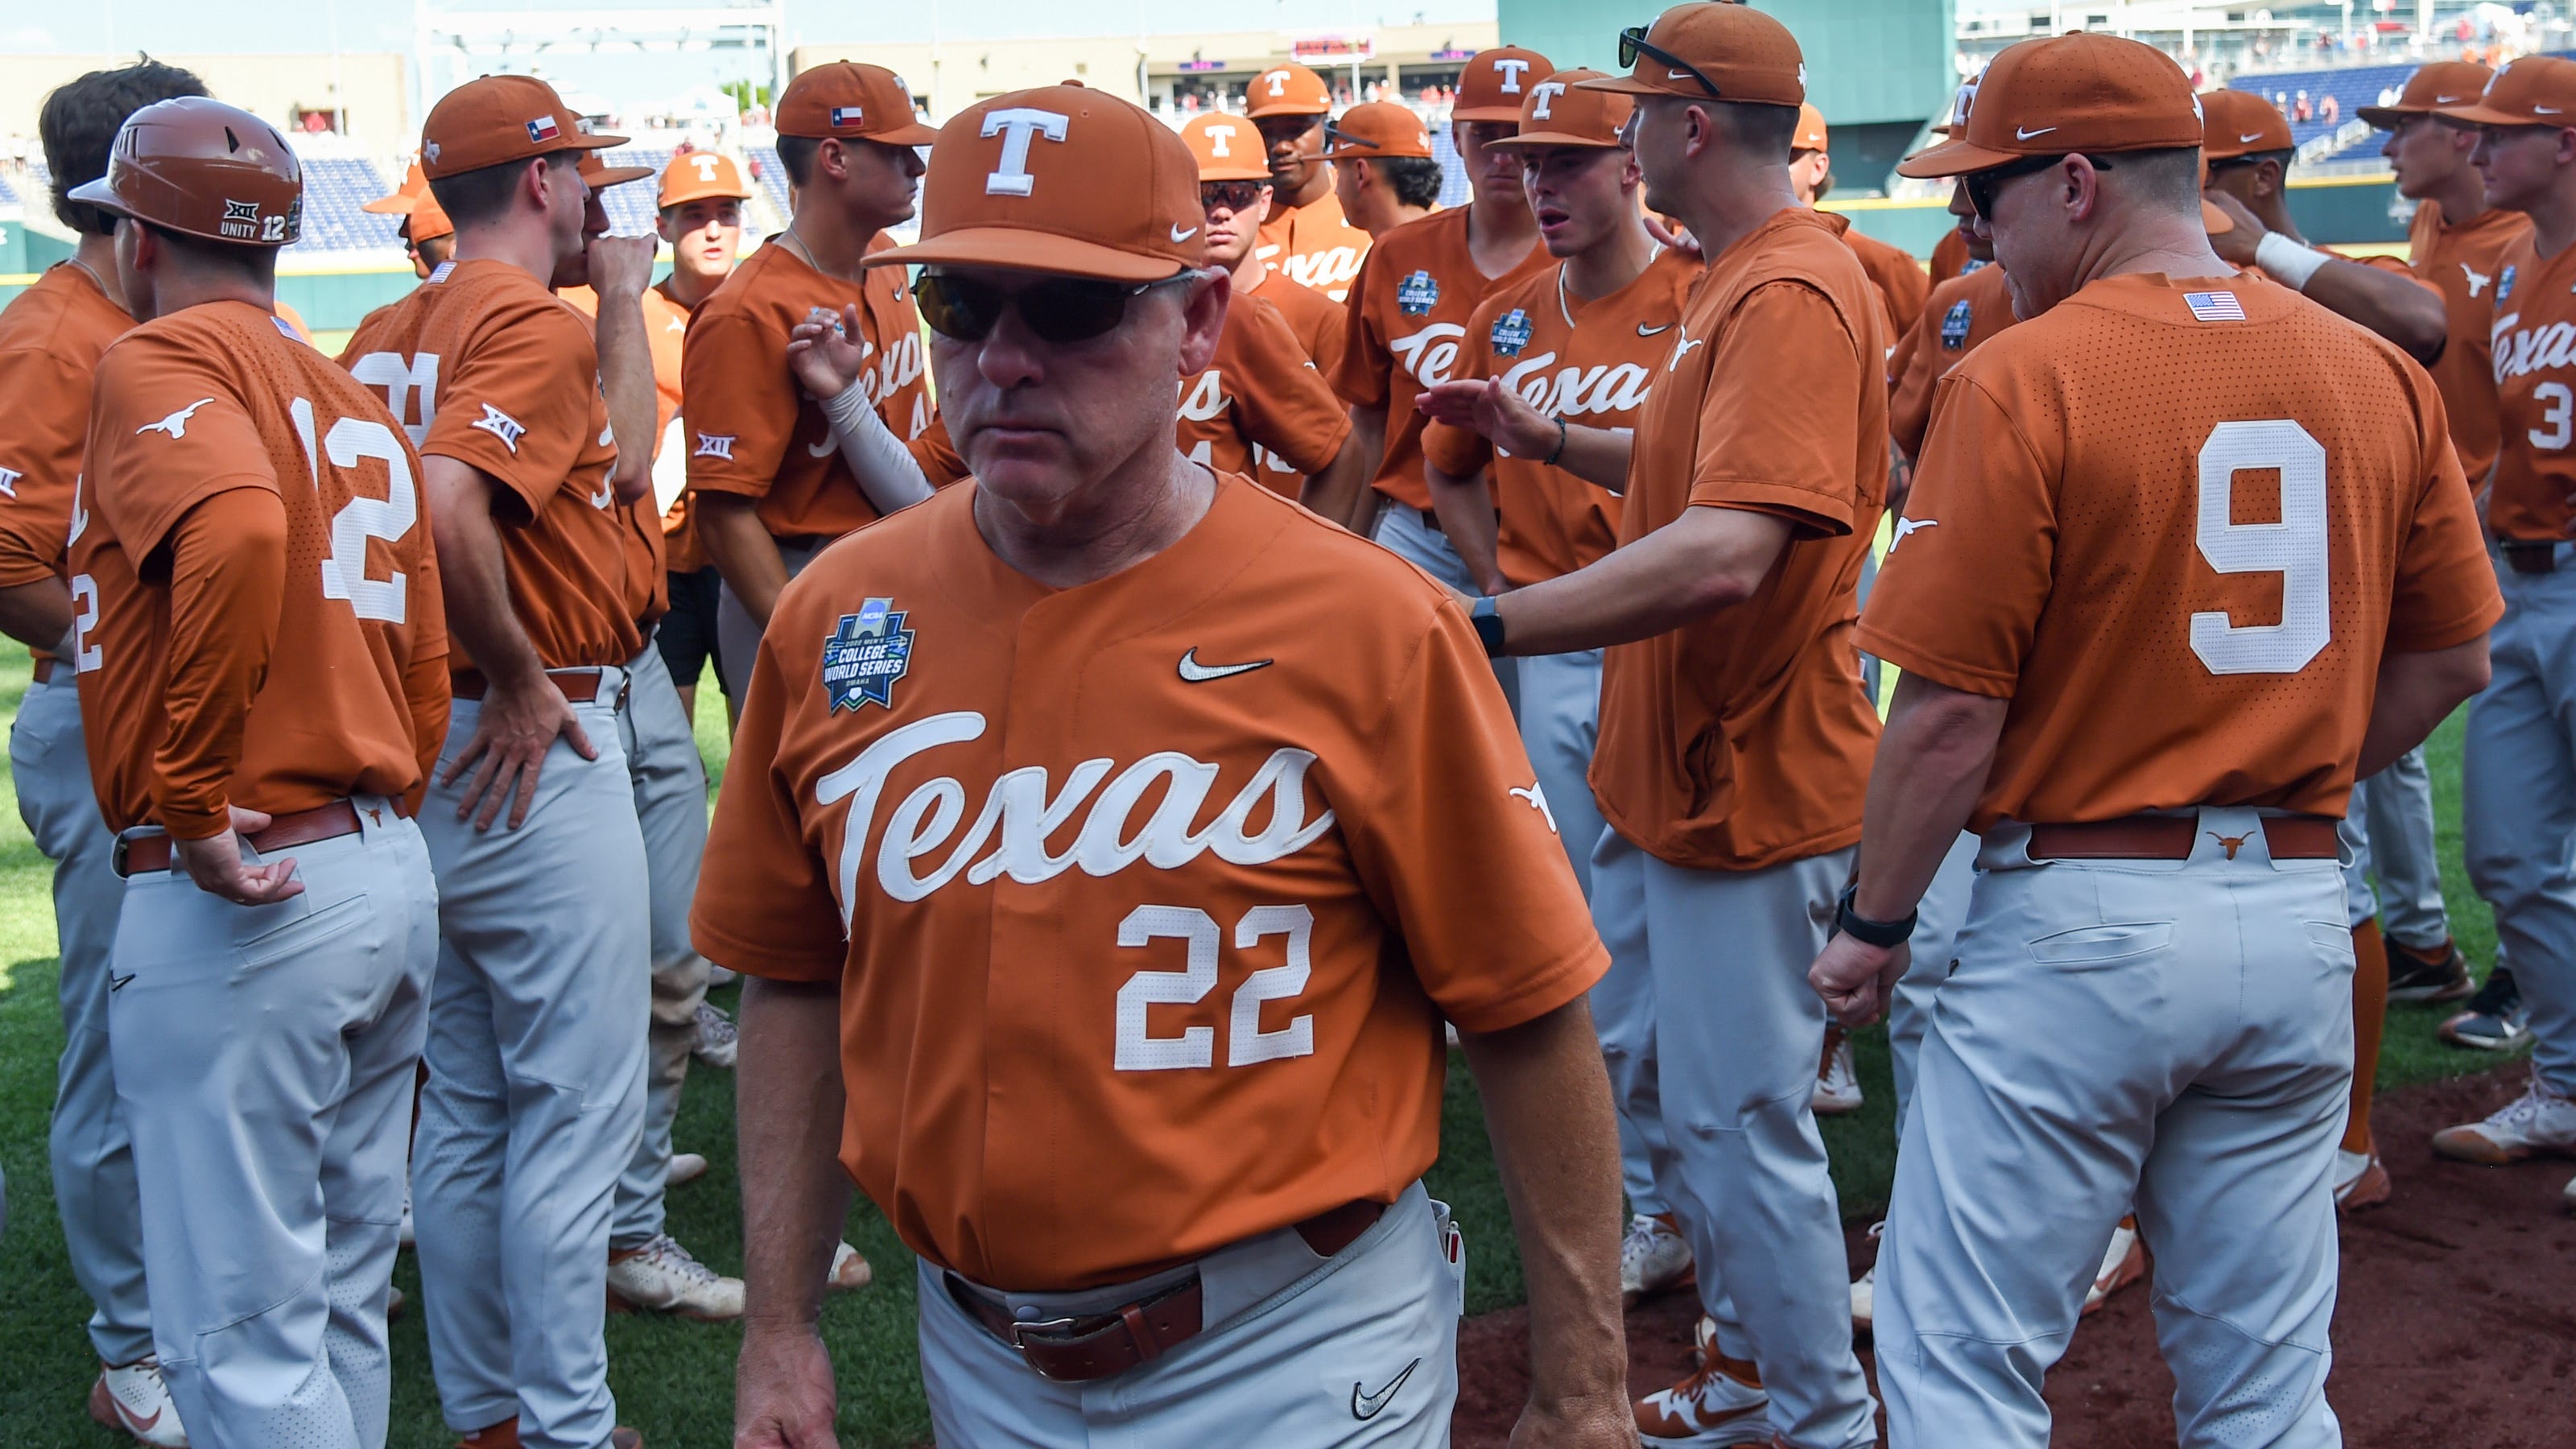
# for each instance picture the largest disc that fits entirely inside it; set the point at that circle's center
(579, 686)
(2530, 556)
(1091, 1346)
(145, 854)
(44, 671)
(2171, 837)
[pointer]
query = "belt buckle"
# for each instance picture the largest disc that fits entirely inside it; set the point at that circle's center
(1018, 1338)
(116, 856)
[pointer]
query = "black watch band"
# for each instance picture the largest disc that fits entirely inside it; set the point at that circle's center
(1489, 626)
(1882, 934)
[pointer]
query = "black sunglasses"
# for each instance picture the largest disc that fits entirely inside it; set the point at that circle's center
(1061, 310)
(1232, 195)
(1633, 43)
(1982, 185)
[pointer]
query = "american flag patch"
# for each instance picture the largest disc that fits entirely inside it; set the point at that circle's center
(543, 128)
(2215, 306)
(847, 116)
(286, 329)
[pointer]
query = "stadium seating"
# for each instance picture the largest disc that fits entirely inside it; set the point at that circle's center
(334, 189)
(1455, 188)
(630, 207)
(771, 176)
(8, 193)
(2352, 88)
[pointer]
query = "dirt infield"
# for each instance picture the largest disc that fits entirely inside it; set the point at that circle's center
(2456, 1324)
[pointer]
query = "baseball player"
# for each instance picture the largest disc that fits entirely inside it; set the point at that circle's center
(1409, 307)
(1306, 234)
(2170, 494)
(51, 336)
(1958, 315)
(766, 474)
(537, 1040)
(1383, 171)
(1900, 279)
(428, 237)
(1734, 733)
(1952, 258)
(1574, 347)
(263, 643)
(2518, 813)
(1163, 1189)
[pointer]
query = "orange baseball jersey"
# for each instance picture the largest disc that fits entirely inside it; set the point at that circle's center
(2464, 261)
(51, 336)
(1313, 245)
(1591, 363)
(2534, 496)
(280, 690)
(1744, 740)
(754, 432)
(1950, 258)
(1901, 281)
(649, 558)
(1261, 394)
(1960, 314)
(1318, 321)
(484, 365)
(1125, 886)
(1408, 314)
(2176, 524)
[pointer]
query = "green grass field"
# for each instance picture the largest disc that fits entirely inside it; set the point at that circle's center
(674, 1379)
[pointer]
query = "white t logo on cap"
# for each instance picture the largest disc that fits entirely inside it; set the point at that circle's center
(1510, 70)
(1015, 126)
(1278, 82)
(705, 161)
(1218, 138)
(1546, 92)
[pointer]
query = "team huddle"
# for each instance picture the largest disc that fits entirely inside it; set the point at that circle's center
(1298, 617)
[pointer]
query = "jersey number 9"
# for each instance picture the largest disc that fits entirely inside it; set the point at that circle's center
(2294, 548)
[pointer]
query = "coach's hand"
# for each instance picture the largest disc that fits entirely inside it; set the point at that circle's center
(824, 354)
(1606, 1421)
(215, 864)
(620, 266)
(783, 1396)
(512, 732)
(1502, 416)
(1857, 979)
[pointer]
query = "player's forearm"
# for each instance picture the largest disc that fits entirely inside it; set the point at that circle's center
(473, 578)
(227, 583)
(37, 615)
(1706, 560)
(1598, 456)
(1466, 509)
(2393, 305)
(789, 1110)
(740, 547)
(1932, 763)
(626, 381)
(1556, 1144)
(2417, 691)
(884, 467)
(1340, 496)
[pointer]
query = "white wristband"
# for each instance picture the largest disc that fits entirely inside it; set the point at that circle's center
(2287, 262)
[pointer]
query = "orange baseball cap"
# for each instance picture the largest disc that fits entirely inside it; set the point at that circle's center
(401, 200)
(2537, 90)
(1288, 90)
(601, 175)
(498, 119)
(1557, 114)
(2095, 93)
(428, 220)
(1059, 180)
(2240, 123)
(1811, 129)
(2429, 89)
(1378, 130)
(1495, 83)
(853, 102)
(1742, 54)
(700, 175)
(1228, 148)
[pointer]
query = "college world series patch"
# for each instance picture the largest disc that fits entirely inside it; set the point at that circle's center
(1416, 295)
(867, 653)
(1511, 332)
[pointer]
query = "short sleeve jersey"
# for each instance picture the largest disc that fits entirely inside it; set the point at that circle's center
(1950, 258)
(1125, 887)
(1901, 281)
(1744, 740)
(2534, 497)
(754, 432)
(218, 397)
(648, 584)
(1592, 363)
(1313, 245)
(1261, 397)
(1960, 314)
(1318, 322)
(1408, 312)
(51, 336)
(2466, 262)
(2177, 524)
(484, 365)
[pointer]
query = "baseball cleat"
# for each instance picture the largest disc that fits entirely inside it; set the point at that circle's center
(2439, 973)
(1864, 1289)
(685, 1167)
(394, 1301)
(717, 1038)
(1653, 1258)
(1837, 1081)
(403, 1234)
(132, 1400)
(2494, 1020)
(1722, 1402)
(2123, 1263)
(661, 1277)
(505, 1435)
(719, 977)
(2359, 1181)
(2535, 1123)
(849, 1271)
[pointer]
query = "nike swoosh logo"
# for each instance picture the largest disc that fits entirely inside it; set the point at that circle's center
(1196, 673)
(117, 983)
(1179, 235)
(1365, 1406)
(2022, 135)
(2547, 111)
(1645, 331)
(2249, 140)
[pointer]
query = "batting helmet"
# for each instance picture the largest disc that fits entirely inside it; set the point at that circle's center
(204, 169)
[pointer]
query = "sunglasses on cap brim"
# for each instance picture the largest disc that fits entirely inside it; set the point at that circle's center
(1633, 43)
(1059, 310)
(1982, 185)
(1336, 136)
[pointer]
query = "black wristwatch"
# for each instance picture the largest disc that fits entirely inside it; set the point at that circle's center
(1882, 934)
(1489, 626)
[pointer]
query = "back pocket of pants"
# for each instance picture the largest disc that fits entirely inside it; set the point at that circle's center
(306, 933)
(2098, 945)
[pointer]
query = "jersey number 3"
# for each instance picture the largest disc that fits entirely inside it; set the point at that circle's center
(2294, 548)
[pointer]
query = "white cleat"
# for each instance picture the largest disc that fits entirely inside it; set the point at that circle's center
(718, 977)
(1723, 1402)
(133, 1401)
(1864, 1289)
(1653, 1258)
(2124, 1262)
(661, 1277)
(718, 1038)
(849, 1271)
(403, 1234)
(1837, 1080)
(2537, 1123)
(685, 1167)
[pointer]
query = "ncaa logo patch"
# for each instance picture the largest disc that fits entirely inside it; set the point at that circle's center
(867, 652)
(1954, 326)
(1511, 332)
(1973, 265)
(1416, 295)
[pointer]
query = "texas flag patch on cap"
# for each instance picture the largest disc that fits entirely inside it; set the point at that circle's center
(543, 128)
(847, 116)
(2215, 306)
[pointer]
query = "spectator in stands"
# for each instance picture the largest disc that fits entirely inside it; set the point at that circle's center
(2329, 110)
(2301, 111)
